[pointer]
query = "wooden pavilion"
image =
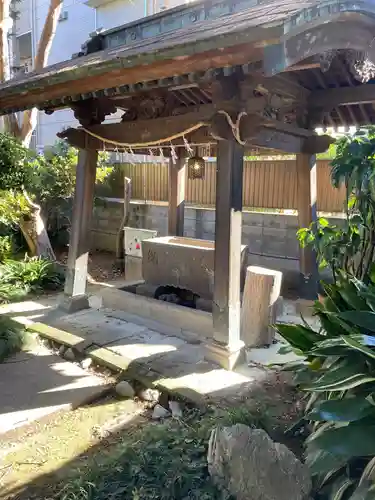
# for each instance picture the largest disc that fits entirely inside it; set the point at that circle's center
(234, 74)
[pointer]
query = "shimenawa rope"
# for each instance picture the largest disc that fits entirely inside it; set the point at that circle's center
(234, 126)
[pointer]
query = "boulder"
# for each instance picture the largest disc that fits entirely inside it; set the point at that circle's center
(175, 408)
(69, 354)
(160, 412)
(124, 389)
(62, 350)
(247, 464)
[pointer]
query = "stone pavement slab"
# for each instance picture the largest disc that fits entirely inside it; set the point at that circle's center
(145, 344)
(157, 356)
(36, 383)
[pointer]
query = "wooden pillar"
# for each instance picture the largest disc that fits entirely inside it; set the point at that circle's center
(307, 213)
(79, 244)
(176, 196)
(227, 348)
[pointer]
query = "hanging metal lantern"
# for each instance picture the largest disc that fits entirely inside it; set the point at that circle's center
(196, 167)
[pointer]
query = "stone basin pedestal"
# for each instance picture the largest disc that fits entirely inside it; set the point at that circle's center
(186, 263)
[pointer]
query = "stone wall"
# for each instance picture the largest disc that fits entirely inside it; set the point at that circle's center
(271, 237)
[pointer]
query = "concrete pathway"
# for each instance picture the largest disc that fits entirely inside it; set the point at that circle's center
(36, 383)
(141, 349)
(148, 350)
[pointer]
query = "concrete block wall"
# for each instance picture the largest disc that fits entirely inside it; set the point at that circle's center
(271, 238)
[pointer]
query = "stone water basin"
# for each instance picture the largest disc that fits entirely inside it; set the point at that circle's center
(186, 263)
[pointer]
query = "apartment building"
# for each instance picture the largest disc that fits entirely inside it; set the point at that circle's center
(78, 19)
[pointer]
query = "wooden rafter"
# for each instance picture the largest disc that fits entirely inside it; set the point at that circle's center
(344, 96)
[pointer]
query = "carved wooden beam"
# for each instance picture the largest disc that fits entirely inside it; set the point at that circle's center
(289, 143)
(283, 85)
(253, 130)
(142, 131)
(93, 111)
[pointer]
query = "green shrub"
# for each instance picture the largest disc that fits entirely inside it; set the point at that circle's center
(12, 293)
(12, 338)
(15, 171)
(6, 247)
(18, 278)
(338, 373)
(350, 246)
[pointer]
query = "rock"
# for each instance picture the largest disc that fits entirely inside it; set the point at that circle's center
(55, 346)
(160, 412)
(151, 395)
(176, 409)
(86, 363)
(69, 354)
(124, 389)
(247, 464)
(62, 350)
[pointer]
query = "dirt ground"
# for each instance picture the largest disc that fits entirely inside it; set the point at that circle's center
(101, 266)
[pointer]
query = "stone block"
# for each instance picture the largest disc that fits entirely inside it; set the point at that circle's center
(208, 236)
(254, 245)
(274, 220)
(273, 246)
(291, 221)
(190, 224)
(175, 316)
(208, 226)
(182, 262)
(190, 213)
(157, 211)
(276, 233)
(252, 236)
(160, 225)
(189, 233)
(292, 249)
(208, 215)
(253, 219)
(146, 290)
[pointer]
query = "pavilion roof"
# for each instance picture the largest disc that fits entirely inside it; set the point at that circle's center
(230, 40)
(201, 41)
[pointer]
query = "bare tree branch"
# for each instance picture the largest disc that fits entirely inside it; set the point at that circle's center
(48, 34)
(29, 121)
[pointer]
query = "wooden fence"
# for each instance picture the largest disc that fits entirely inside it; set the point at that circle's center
(267, 184)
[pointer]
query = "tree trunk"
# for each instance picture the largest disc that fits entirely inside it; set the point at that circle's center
(262, 289)
(35, 232)
(5, 26)
(24, 132)
(41, 58)
(33, 229)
